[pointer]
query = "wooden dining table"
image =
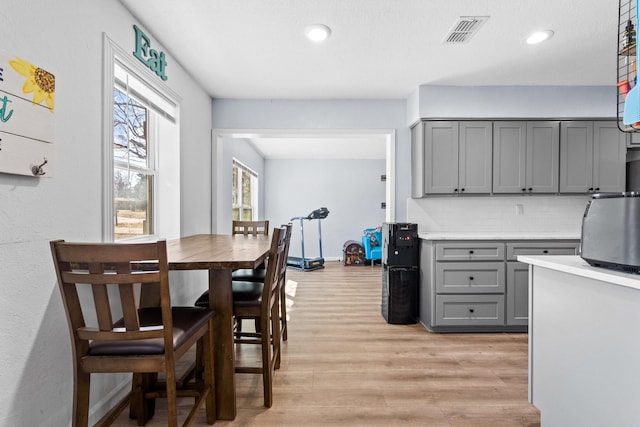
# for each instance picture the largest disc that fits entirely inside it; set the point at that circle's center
(220, 254)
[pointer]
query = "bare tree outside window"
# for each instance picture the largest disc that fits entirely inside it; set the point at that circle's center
(133, 174)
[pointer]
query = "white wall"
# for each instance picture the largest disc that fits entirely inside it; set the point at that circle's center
(513, 102)
(535, 214)
(65, 38)
(326, 114)
(350, 189)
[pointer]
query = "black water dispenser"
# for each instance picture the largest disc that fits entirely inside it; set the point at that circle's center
(400, 272)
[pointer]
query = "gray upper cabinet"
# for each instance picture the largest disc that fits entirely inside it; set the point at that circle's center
(417, 159)
(457, 157)
(593, 156)
(609, 157)
(474, 168)
(526, 157)
(440, 157)
(517, 157)
(509, 156)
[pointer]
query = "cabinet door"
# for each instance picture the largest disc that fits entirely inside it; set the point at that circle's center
(543, 152)
(517, 293)
(468, 310)
(514, 249)
(609, 157)
(469, 251)
(476, 140)
(576, 157)
(441, 157)
(470, 277)
(417, 160)
(509, 157)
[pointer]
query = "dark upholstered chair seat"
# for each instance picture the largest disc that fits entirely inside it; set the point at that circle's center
(185, 321)
(249, 275)
(243, 292)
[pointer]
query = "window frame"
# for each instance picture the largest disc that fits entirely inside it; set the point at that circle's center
(113, 54)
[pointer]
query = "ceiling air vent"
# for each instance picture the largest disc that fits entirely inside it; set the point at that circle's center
(464, 28)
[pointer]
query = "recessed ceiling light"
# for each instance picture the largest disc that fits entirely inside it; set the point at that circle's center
(317, 32)
(540, 36)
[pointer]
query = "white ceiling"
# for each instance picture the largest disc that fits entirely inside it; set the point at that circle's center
(380, 49)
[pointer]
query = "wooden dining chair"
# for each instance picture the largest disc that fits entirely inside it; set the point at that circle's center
(253, 228)
(282, 279)
(261, 301)
(266, 308)
(250, 227)
(98, 280)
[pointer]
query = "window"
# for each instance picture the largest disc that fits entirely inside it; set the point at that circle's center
(142, 163)
(244, 193)
(133, 166)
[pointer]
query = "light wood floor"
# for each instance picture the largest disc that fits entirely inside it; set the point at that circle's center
(345, 366)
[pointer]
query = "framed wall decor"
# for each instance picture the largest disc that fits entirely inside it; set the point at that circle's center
(27, 94)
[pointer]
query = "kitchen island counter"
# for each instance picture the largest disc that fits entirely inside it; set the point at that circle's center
(584, 324)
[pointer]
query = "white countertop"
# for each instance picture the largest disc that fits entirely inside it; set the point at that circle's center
(497, 235)
(573, 264)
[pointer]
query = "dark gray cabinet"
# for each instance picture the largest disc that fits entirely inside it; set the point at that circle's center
(592, 157)
(517, 157)
(526, 156)
(479, 286)
(451, 157)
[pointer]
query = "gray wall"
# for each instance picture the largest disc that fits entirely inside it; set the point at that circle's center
(350, 189)
(35, 360)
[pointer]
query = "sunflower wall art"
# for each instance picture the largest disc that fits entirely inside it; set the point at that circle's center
(27, 95)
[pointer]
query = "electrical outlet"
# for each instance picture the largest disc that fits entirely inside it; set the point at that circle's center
(519, 209)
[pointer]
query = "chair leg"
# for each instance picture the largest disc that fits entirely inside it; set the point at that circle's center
(283, 312)
(267, 374)
(140, 407)
(275, 331)
(209, 377)
(172, 409)
(81, 387)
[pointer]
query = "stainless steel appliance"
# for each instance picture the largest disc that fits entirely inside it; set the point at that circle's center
(611, 231)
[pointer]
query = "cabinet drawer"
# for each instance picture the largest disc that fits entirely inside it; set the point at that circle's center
(541, 248)
(465, 310)
(469, 251)
(470, 277)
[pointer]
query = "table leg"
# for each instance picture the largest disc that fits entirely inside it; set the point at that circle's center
(221, 301)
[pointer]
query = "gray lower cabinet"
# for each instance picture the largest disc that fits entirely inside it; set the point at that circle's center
(470, 310)
(517, 293)
(479, 286)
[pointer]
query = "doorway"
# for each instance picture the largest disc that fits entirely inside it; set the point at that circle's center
(364, 141)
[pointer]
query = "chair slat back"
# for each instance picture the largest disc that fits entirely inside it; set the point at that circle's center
(282, 270)
(250, 227)
(274, 266)
(109, 269)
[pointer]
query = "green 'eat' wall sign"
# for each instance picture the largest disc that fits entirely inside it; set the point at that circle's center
(156, 61)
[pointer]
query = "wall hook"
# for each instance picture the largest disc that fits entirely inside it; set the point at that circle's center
(37, 170)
